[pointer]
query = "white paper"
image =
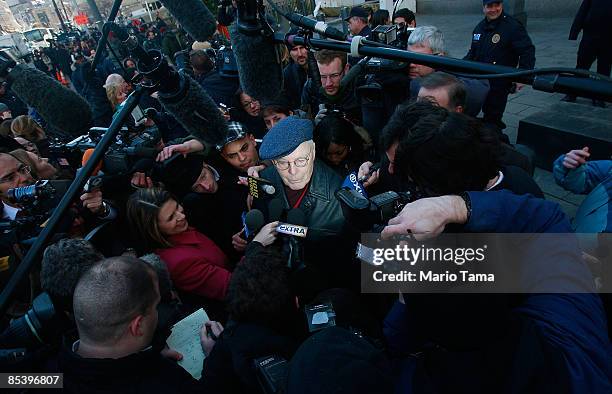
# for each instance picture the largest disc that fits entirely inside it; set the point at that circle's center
(320, 318)
(185, 339)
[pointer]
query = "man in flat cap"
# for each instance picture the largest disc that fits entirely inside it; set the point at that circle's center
(305, 184)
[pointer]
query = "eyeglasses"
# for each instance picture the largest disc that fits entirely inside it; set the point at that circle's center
(12, 176)
(331, 77)
(247, 104)
(300, 162)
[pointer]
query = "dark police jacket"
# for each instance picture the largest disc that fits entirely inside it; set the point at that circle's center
(594, 18)
(503, 41)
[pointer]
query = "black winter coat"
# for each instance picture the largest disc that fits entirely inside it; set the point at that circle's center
(594, 18)
(144, 372)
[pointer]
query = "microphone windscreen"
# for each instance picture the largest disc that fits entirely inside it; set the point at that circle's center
(254, 220)
(194, 16)
(296, 216)
(86, 155)
(275, 210)
(197, 113)
(61, 107)
(259, 67)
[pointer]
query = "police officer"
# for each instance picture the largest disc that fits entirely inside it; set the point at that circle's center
(500, 39)
(593, 18)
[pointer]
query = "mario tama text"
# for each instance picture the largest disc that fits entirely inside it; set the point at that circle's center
(477, 263)
(431, 276)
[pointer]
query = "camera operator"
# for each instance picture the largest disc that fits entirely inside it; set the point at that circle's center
(62, 265)
(220, 85)
(14, 173)
(262, 321)
(332, 95)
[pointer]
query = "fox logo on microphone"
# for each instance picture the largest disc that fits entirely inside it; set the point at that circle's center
(292, 229)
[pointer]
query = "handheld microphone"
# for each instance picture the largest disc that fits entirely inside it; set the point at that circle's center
(59, 106)
(310, 24)
(354, 183)
(253, 222)
(275, 210)
(259, 187)
(295, 224)
(257, 57)
(194, 16)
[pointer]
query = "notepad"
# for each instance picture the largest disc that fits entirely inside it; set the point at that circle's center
(185, 339)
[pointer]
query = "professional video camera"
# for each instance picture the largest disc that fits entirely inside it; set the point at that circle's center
(128, 148)
(371, 214)
(396, 35)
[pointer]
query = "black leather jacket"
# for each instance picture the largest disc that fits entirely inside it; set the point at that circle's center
(329, 243)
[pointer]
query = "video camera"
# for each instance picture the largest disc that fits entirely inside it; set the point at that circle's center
(396, 35)
(371, 214)
(36, 202)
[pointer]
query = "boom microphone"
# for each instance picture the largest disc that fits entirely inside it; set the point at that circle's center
(59, 106)
(310, 24)
(195, 18)
(196, 111)
(259, 64)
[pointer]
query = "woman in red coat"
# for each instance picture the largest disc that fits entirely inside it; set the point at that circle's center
(196, 264)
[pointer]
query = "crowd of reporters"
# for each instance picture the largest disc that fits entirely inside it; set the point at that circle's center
(166, 234)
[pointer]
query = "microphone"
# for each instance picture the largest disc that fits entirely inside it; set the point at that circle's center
(195, 18)
(259, 186)
(354, 72)
(196, 111)
(61, 107)
(310, 24)
(181, 96)
(295, 226)
(354, 183)
(257, 57)
(275, 210)
(253, 222)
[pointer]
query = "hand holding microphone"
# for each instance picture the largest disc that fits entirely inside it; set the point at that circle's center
(267, 235)
(368, 173)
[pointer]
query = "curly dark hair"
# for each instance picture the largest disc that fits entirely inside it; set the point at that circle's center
(404, 117)
(62, 265)
(448, 153)
(259, 289)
